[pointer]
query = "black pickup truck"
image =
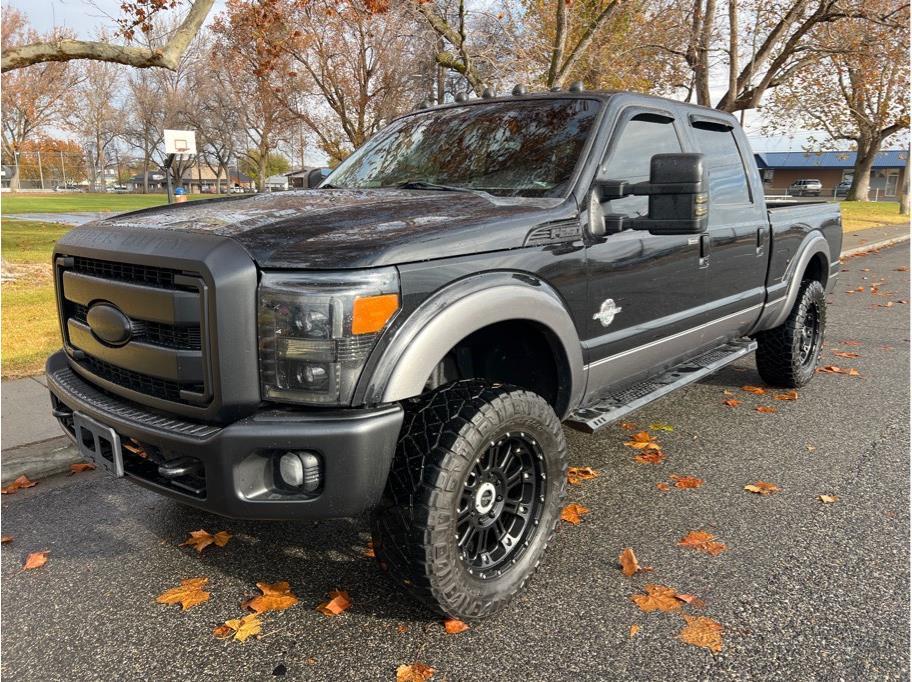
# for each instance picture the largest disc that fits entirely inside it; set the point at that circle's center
(409, 337)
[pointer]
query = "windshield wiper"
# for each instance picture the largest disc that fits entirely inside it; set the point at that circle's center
(423, 184)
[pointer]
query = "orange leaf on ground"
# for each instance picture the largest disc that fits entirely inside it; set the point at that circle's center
(79, 467)
(731, 402)
(788, 395)
(634, 629)
(657, 598)
(369, 551)
(828, 499)
(651, 457)
(756, 390)
(200, 539)
(765, 409)
(189, 594)
(628, 426)
(454, 626)
(904, 268)
(642, 441)
(691, 600)
(21, 482)
(702, 632)
(686, 481)
(702, 542)
(834, 369)
(416, 672)
(243, 628)
(338, 602)
(5, 539)
(275, 597)
(845, 354)
(573, 513)
(628, 561)
(664, 487)
(576, 475)
(35, 560)
(762, 488)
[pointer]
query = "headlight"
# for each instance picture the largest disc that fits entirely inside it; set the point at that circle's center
(317, 329)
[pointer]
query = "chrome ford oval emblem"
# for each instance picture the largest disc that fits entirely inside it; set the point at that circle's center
(606, 313)
(108, 324)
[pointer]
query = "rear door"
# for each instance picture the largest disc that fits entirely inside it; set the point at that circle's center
(739, 231)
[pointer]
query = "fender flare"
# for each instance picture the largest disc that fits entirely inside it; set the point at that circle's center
(454, 312)
(813, 244)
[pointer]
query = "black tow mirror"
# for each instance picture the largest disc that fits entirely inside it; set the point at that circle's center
(678, 202)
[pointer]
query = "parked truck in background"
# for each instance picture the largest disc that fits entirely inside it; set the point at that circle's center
(409, 338)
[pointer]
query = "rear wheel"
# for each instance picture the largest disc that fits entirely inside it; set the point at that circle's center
(473, 496)
(787, 355)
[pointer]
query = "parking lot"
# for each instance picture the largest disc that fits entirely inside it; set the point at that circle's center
(803, 591)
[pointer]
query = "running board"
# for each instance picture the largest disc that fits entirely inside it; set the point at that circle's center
(615, 406)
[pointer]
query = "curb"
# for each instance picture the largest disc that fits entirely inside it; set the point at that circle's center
(39, 460)
(875, 246)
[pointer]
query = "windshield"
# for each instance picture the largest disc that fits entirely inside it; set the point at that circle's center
(521, 148)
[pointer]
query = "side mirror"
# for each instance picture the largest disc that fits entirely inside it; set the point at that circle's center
(317, 176)
(678, 203)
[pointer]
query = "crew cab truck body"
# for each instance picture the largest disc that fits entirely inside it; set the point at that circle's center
(409, 337)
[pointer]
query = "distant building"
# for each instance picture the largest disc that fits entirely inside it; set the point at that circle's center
(276, 183)
(781, 169)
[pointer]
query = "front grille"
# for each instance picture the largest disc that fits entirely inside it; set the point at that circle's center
(169, 336)
(125, 272)
(164, 361)
(141, 383)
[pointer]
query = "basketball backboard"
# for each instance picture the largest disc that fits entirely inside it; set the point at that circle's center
(180, 142)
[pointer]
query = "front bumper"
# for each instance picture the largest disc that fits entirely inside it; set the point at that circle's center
(235, 464)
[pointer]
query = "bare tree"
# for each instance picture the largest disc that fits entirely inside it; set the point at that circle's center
(32, 100)
(97, 119)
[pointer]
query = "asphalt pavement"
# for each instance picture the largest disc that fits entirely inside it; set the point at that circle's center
(804, 590)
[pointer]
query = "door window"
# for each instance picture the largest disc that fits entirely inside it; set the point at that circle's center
(629, 157)
(727, 177)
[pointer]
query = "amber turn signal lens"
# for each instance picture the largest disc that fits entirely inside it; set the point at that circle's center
(371, 313)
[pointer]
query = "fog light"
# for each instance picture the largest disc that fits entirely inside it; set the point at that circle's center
(300, 470)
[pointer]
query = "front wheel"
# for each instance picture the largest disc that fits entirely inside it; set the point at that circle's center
(473, 496)
(787, 355)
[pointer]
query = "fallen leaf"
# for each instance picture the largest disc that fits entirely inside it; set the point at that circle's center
(21, 482)
(243, 628)
(888, 304)
(765, 409)
(35, 560)
(338, 602)
(762, 488)
(416, 672)
(454, 626)
(642, 441)
(827, 499)
(6, 539)
(651, 457)
(628, 426)
(851, 343)
(628, 561)
(79, 467)
(573, 513)
(275, 597)
(664, 487)
(902, 269)
(810, 448)
(727, 392)
(686, 481)
(702, 542)
(657, 598)
(833, 369)
(691, 600)
(190, 593)
(731, 402)
(200, 539)
(576, 475)
(661, 427)
(702, 632)
(402, 629)
(222, 631)
(845, 354)
(788, 395)
(634, 629)
(369, 550)
(756, 390)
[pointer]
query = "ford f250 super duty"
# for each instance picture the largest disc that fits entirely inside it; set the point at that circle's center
(409, 337)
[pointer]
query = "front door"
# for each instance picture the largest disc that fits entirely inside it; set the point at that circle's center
(645, 291)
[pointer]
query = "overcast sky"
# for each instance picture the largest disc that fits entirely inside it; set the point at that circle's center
(84, 17)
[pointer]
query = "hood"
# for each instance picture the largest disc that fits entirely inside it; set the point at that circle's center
(340, 228)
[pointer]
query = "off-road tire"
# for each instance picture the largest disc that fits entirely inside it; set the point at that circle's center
(779, 350)
(444, 435)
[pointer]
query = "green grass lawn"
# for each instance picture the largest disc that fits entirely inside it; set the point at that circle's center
(75, 202)
(29, 315)
(858, 215)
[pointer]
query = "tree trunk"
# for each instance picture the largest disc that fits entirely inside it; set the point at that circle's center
(904, 192)
(861, 179)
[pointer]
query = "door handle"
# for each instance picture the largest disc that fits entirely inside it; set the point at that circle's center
(705, 244)
(761, 239)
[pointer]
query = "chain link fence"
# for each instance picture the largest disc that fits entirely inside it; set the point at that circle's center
(55, 171)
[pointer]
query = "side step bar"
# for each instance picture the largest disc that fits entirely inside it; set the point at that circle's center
(618, 405)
